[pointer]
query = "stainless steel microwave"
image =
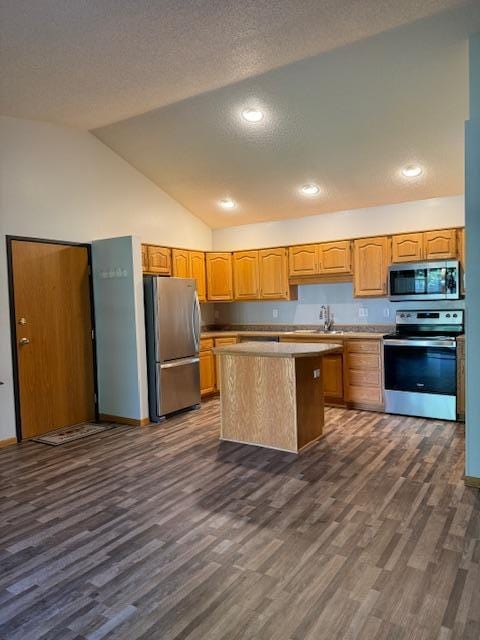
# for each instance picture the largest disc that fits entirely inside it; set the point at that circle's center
(439, 280)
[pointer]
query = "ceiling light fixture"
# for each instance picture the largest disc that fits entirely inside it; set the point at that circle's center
(310, 189)
(227, 203)
(412, 171)
(252, 115)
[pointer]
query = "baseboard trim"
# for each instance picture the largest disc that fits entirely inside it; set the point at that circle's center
(132, 422)
(470, 481)
(7, 442)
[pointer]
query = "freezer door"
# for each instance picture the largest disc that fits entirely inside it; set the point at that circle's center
(177, 318)
(178, 385)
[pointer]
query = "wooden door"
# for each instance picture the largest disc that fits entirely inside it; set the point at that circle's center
(303, 260)
(159, 260)
(333, 376)
(53, 334)
(440, 245)
(335, 257)
(180, 263)
(273, 264)
(219, 276)
(407, 247)
(246, 285)
(197, 271)
(371, 260)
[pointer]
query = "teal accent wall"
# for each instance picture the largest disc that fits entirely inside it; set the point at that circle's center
(472, 218)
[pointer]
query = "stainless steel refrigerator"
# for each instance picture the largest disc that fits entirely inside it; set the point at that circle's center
(172, 320)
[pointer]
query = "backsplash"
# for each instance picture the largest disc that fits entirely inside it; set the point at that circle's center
(346, 309)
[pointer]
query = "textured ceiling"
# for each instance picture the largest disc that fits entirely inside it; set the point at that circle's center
(348, 120)
(88, 63)
(352, 91)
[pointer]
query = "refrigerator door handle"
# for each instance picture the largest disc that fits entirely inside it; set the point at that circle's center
(179, 363)
(196, 322)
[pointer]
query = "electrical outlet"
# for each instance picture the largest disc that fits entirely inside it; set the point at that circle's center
(275, 313)
(363, 312)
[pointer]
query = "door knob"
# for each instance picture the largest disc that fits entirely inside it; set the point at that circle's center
(24, 341)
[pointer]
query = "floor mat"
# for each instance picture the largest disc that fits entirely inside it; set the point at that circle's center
(75, 432)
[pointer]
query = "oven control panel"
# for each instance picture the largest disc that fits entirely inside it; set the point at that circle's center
(452, 317)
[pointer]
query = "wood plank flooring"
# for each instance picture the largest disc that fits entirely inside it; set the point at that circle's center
(164, 533)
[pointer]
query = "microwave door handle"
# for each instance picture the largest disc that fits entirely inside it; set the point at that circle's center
(444, 280)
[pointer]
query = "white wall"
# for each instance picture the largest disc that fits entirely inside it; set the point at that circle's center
(60, 183)
(472, 210)
(436, 213)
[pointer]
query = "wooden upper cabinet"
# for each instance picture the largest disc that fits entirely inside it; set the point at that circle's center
(159, 260)
(371, 260)
(144, 257)
(180, 263)
(273, 267)
(440, 245)
(303, 260)
(246, 284)
(335, 257)
(407, 247)
(219, 276)
(197, 271)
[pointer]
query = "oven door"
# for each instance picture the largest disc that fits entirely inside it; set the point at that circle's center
(420, 366)
(420, 378)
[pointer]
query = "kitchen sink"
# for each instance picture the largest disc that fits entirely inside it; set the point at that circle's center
(332, 332)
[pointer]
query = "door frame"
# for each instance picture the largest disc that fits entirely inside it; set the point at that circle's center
(13, 325)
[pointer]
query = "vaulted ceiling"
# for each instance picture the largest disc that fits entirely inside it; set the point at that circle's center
(351, 90)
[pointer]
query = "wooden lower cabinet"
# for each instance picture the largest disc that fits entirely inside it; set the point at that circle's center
(333, 378)
(461, 379)
(363, 368)
(207, 367)
(209, 372)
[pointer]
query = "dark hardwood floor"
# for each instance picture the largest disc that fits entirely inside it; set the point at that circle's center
(165, 533)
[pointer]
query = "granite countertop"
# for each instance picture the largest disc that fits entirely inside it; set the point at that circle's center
(278, 349)
(299, 333)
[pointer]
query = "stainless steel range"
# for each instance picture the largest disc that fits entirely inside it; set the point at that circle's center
(421, 364)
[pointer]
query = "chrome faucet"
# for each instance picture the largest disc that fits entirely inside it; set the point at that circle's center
(326, 317)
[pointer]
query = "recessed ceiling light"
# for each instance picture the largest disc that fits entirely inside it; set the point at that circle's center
(412, 171)
(252, 115)
(310, 189)
(227, 203)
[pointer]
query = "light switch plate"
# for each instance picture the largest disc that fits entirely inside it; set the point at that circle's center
(275, 313)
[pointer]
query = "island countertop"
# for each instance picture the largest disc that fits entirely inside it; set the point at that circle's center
(278, 349)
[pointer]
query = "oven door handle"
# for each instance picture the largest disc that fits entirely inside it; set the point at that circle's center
(445, 344)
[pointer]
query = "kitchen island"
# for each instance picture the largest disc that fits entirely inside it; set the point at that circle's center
(272, 393)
